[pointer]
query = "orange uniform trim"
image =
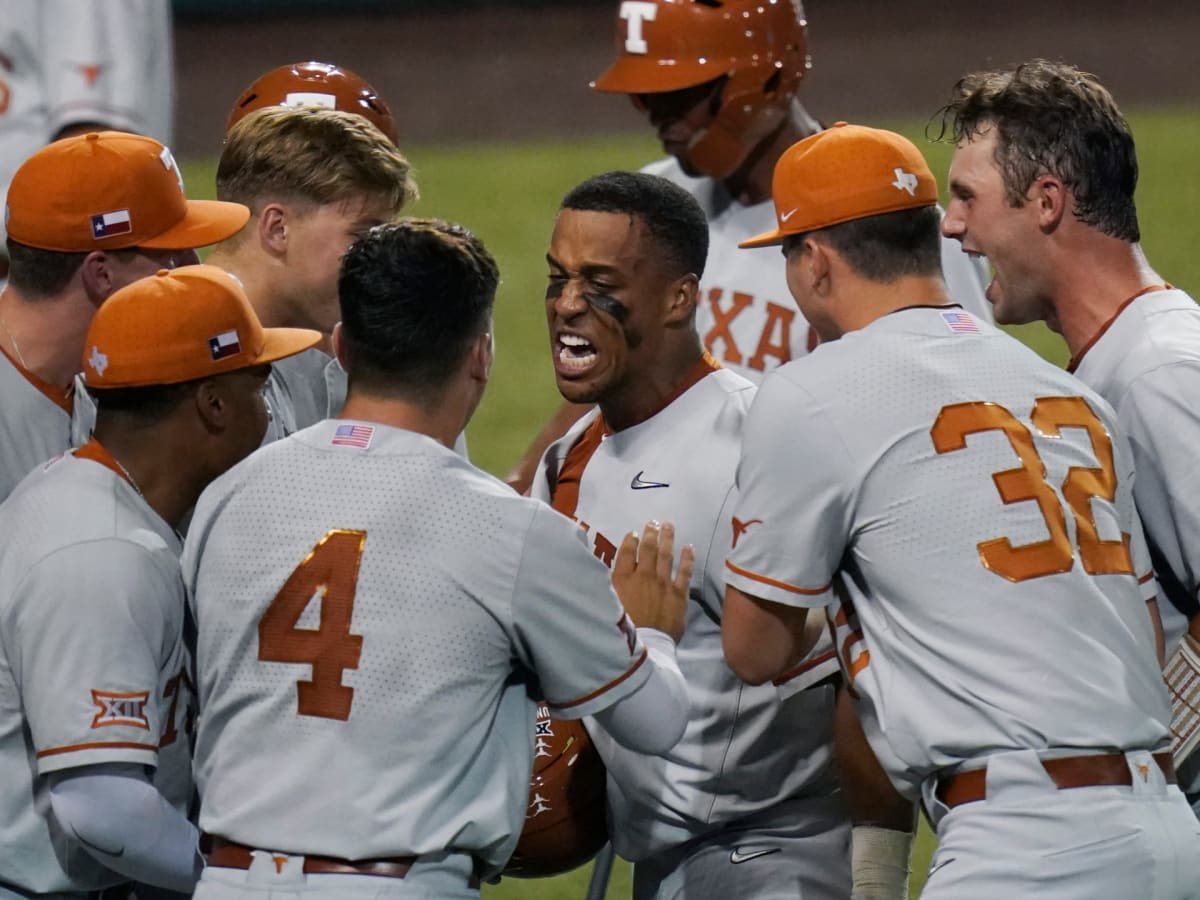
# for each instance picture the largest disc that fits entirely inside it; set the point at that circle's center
(1149, 576)
(565, 498)
(612, 684)
(99, 745)
(1078, 357)
(63, 398)
(763, 579)
(95, 451)
(797, 671)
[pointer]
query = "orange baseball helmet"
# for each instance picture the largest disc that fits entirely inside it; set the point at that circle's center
(758, 46)
(315, 84)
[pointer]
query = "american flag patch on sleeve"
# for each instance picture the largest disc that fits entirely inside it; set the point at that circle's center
(960, 322)
(353, 436)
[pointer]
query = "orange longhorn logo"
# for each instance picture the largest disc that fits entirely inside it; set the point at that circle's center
(739, 527)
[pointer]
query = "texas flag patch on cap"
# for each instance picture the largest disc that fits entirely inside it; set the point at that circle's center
(110, 224)
(224, 344)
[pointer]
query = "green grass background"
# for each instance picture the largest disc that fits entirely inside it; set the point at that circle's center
(508, 195)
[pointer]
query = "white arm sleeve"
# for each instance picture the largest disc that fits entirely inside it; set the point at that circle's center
(121, 819)
(652, 718)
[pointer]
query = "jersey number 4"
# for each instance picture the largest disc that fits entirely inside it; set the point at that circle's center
(1082, 484)
(330, 570)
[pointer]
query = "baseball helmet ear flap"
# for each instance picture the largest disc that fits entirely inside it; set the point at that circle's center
(315, 84)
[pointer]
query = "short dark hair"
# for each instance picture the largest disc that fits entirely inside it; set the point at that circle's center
(672, 217)
(38, 273)
(888, 246)
(139, 405)
(1051, 118)
(414, 295)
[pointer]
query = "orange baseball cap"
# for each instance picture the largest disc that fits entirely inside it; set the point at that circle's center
(111, 190)
(843, 173)
(180, 325)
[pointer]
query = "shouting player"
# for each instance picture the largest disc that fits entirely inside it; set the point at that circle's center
(1042, 183)
(86, 216)
(378, 744)
(745, 804)
(970, 507)
(95, 687)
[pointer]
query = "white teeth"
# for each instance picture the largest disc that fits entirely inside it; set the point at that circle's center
(572, 340)
(570, 360)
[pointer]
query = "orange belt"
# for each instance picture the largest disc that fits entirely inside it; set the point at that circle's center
(228, 855)
(1066, 772)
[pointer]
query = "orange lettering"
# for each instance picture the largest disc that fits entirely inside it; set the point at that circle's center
(330, 570)
(778, 318)
(722, 320)
(605, 550)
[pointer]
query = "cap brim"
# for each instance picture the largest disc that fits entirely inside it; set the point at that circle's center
(207, 222)
(766, 239)
(644, 75)
(279, 343)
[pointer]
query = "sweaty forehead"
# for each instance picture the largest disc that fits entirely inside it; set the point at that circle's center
(616, 242)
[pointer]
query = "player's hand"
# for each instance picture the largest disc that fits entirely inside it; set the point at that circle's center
(642, 578)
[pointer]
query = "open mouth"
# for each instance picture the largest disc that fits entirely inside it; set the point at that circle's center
(574, 354)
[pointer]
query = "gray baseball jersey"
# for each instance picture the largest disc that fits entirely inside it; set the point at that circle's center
(745, 751)
(375, 616)
(298, 392)
(972, 504)
(37, 421)
(92, 662)
(67, 61)
(746, 315)
(1146, 363)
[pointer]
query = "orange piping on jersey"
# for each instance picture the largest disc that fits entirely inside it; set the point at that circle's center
(566, 489)
(1149, 576)
(612, 684)
(95, 451)
(779, 584)
(797, 671)
(63, 398)
(99, 745)
(1078, 357)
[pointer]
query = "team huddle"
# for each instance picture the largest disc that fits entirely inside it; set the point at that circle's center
(811, 548)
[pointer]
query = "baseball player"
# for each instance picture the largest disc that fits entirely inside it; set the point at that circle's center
(314, 180)
(86, 216)
(68, 66)
(745, 805)
(719, 83)
(96, 701)
(1061, 232)
(376, 743)
(970, 508)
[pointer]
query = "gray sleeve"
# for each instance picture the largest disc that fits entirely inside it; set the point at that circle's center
(569, 625)
(651, 719)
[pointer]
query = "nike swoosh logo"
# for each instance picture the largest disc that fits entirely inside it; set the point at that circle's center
(783, 217)
(741, 855)
(639, 485)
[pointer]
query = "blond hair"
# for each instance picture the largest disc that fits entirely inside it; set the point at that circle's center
(311, 156)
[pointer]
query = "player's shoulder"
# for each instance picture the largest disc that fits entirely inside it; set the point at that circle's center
(704, 189)
(1159, 330)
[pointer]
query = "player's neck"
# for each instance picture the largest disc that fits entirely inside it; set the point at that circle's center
(867, 301)
(253, 270)
(163, 468)
(1094, 283)
(443, 422)
(676, 369)
(751, 183)
(46, 336)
